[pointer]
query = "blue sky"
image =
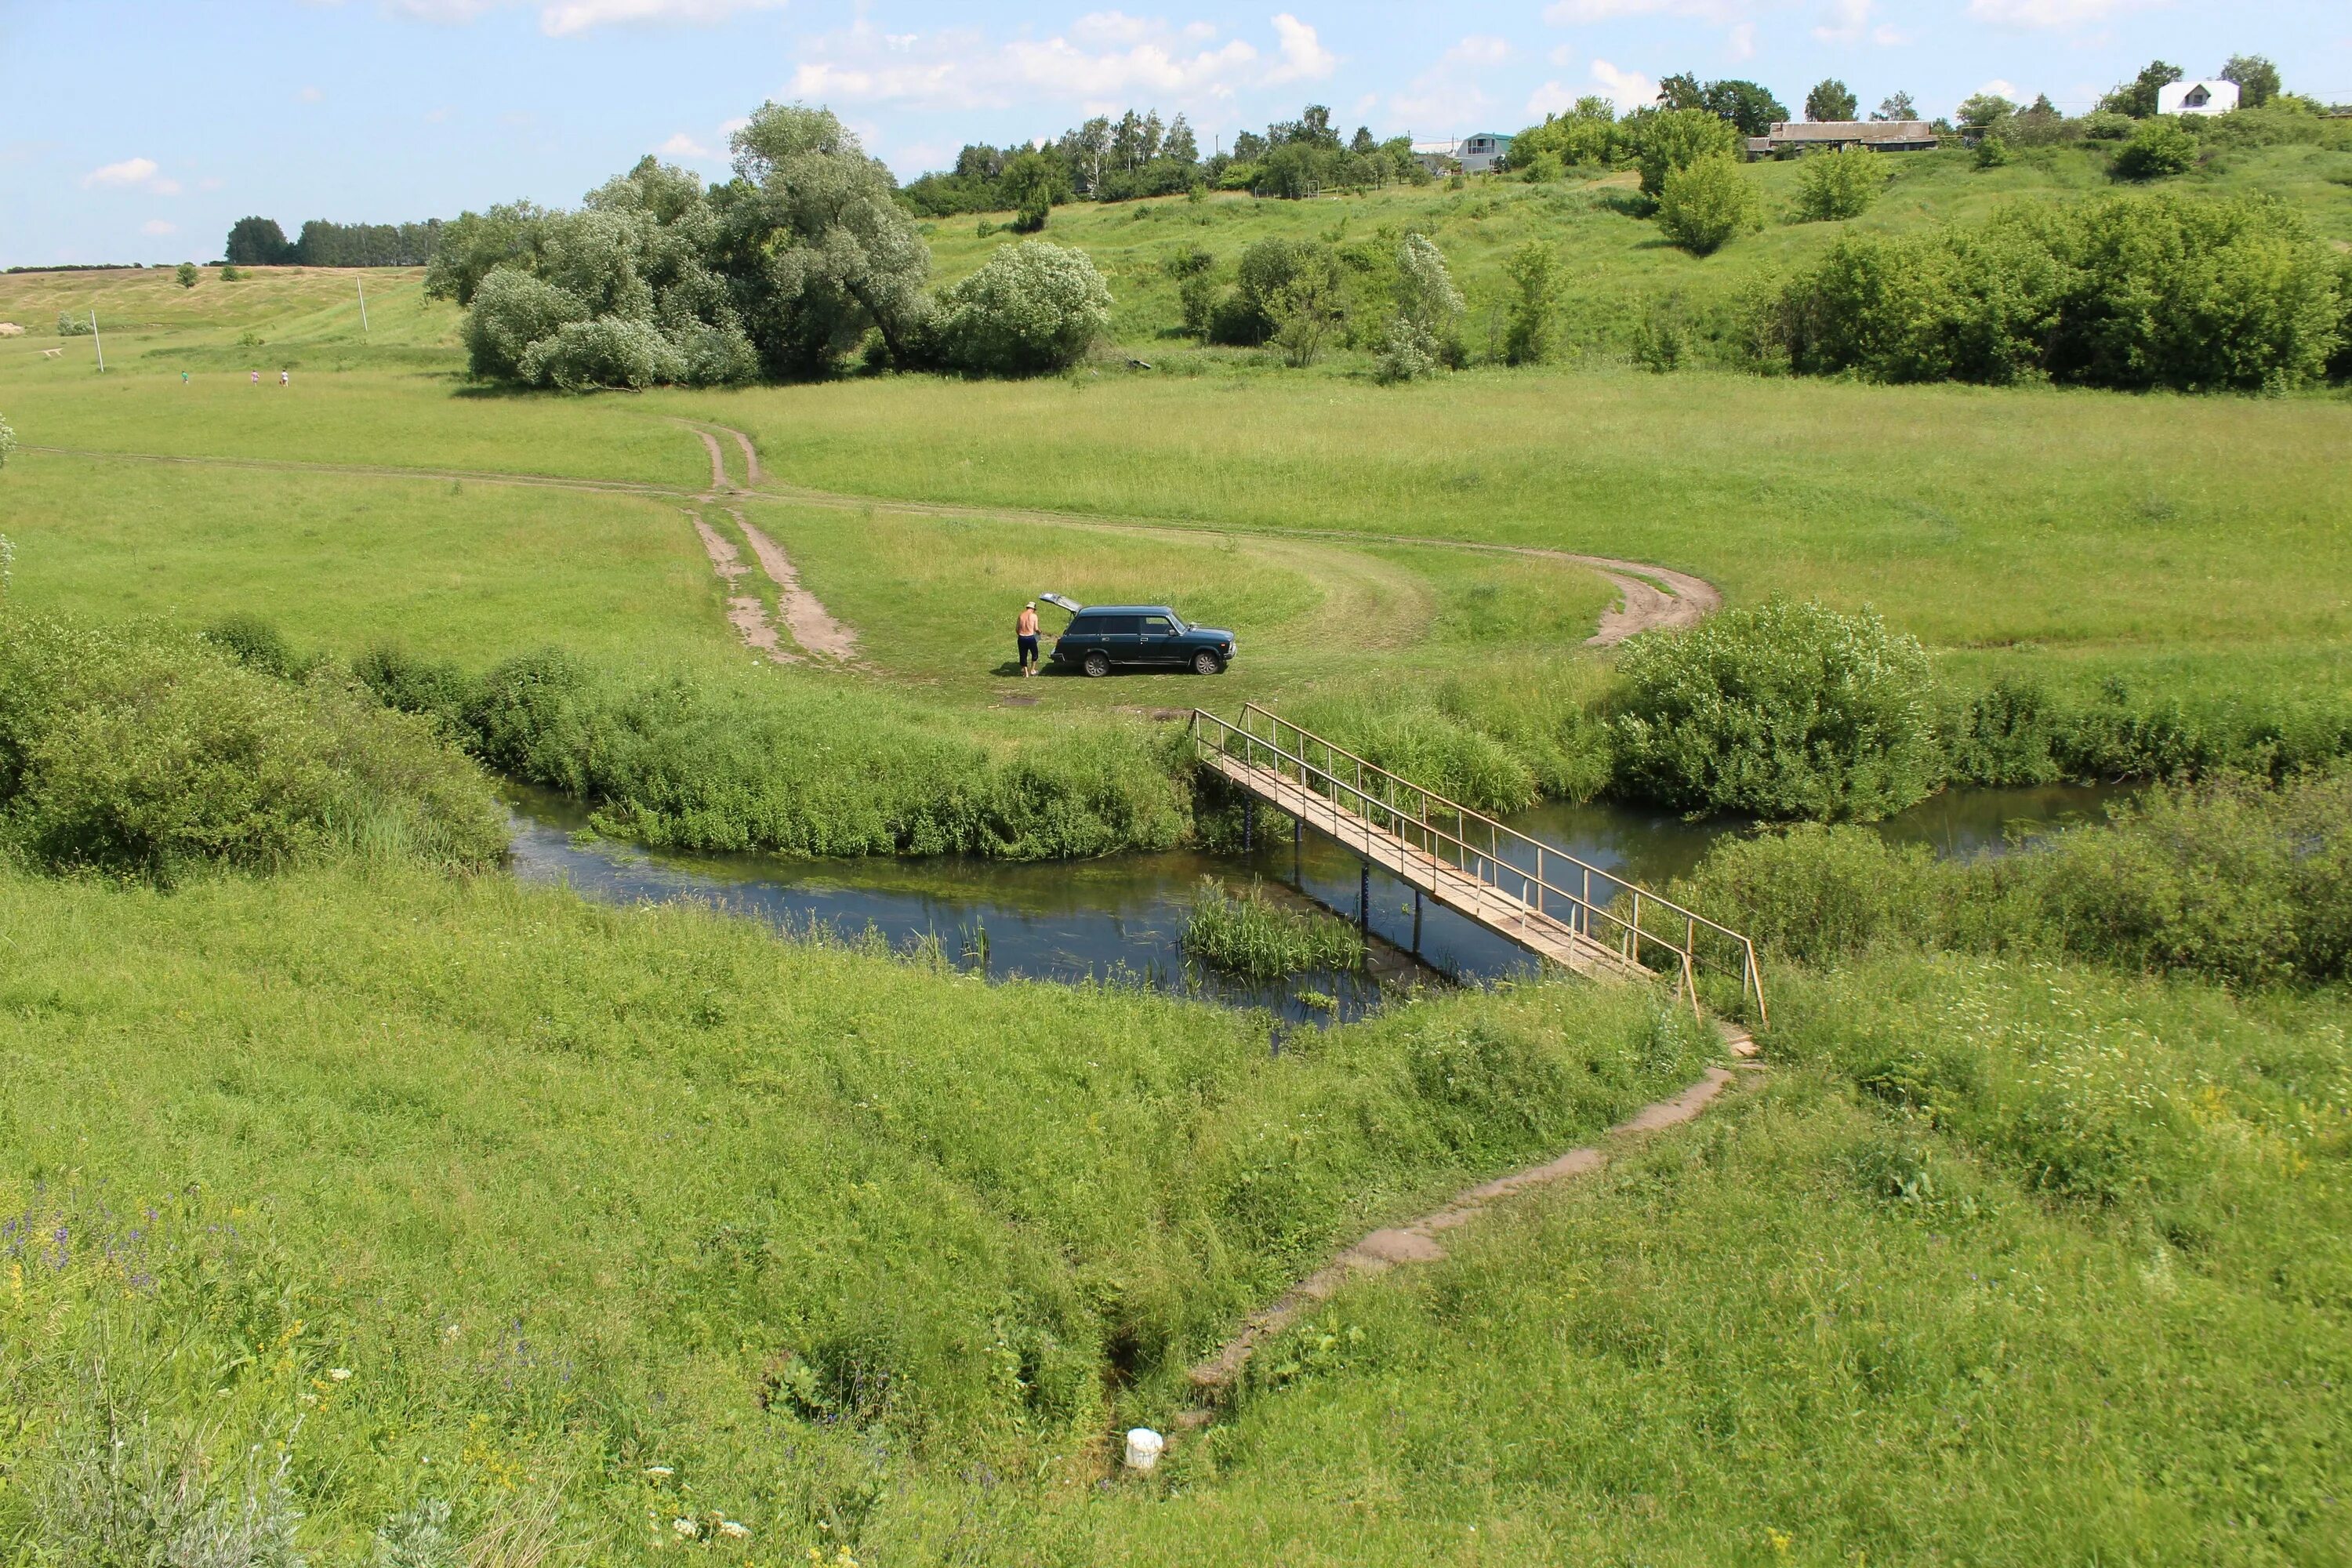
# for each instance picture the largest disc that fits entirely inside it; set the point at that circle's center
(139, 132)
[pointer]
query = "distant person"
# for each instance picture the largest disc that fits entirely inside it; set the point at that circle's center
(184, 378)
(284, 378)
(1025, 631)
(256, 378)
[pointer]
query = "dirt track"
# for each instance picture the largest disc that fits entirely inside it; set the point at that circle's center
(1650, 598)
(1415, 1241)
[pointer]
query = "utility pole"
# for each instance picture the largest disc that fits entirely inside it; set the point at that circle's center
(363, 286)
(96, 342)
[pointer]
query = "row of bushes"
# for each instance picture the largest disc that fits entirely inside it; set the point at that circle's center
(2236, 879)
(796, 768)
(145, 751)
(2131, 292)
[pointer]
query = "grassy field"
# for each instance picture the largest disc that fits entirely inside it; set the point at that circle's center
(610, 1228)
(585, 1221)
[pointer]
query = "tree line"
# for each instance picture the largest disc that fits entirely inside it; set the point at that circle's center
(1137, 155)
(259, 242)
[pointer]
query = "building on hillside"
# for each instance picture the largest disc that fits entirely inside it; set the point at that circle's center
(2196, 97)
(1830, 135)
(1482, 153)
(1476, 154)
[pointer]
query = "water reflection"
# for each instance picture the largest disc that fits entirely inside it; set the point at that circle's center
(1122, 921)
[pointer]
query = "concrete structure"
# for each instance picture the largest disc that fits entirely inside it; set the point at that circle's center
(2214, 96)
(1828, 135)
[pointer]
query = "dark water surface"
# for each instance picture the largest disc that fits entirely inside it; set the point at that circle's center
(1122, 921)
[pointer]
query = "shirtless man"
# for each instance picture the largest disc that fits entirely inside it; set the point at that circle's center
(1025, 629)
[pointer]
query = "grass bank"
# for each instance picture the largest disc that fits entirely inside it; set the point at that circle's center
(572, 1192)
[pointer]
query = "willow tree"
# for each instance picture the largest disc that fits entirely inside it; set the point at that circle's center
(817, 245)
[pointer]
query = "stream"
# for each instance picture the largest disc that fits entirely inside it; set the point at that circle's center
(1120, 920)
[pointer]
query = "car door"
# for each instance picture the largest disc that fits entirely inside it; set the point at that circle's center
(1156, 641)
(1119, 637)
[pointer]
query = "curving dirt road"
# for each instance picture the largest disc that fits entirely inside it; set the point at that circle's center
(1650, 598)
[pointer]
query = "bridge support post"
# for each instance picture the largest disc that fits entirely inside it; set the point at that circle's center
(1298, 843)
(1249, 823)
(1416, 920)
(1364, 896)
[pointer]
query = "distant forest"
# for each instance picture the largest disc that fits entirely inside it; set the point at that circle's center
(259, 242)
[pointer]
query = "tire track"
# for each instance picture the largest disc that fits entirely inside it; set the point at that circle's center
(1650, 598)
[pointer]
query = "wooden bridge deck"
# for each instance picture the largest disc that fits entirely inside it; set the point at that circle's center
(1472, 897)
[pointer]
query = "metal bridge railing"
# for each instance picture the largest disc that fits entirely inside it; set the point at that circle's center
(1645, 929)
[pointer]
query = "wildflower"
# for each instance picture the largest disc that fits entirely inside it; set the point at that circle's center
(659, 1473)
(341, 1374)
(685, 1529)
(450, 1334)
(734, 1532)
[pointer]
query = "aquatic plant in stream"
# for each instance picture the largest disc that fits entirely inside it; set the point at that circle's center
(1248, 934)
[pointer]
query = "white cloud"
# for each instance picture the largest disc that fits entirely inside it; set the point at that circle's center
(1568, 13)
(2047, 12)
(310, 95)
(1629, 90)
(1448, 96)
(681, 145)
(1562, 55)
(559, 18)
(132, 174)
(580, 15)
(1106, 61)
(158, 227)
(129, 172)
(2002, 87)
(1303, 58)
(1847, 20)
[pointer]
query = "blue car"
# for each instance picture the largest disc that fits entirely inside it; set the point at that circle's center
(1103, 637)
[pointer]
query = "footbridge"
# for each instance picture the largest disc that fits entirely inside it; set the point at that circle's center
(1549, 904)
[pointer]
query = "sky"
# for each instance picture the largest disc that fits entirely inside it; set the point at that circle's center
(141, 131)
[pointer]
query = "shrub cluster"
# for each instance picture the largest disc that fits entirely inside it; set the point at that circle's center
(1248, 934)
(1779, 711)
(144, 753)
(1030, 307)
(1704, 204)
(2233, 878)
(2132, 292)
(1842, 183)
(699, 762)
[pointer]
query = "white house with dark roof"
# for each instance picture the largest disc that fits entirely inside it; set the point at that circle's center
(2214, 96)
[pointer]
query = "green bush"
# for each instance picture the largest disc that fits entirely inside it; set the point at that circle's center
(1031, 308)
(1992, 152)
(1839, 184)
(1677, 137)
(1426, 335)
(149, 753)
(1707, 204)
(1780, 711)
(2156, 148)
(609, 350)
(1248, 934)
(1820, 894)
(2131, 292)
(511, 311)
(705, 762)
(1534, 270)
(2227, 878)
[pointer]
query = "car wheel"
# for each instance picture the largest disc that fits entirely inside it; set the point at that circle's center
(1097, 665)
(1206, 663)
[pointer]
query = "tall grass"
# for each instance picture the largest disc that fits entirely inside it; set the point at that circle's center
(574, 1191)
(1247, 933)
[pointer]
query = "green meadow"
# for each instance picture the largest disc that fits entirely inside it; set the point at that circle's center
(417, 1216)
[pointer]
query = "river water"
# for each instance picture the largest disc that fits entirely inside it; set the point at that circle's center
(1120, 920)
